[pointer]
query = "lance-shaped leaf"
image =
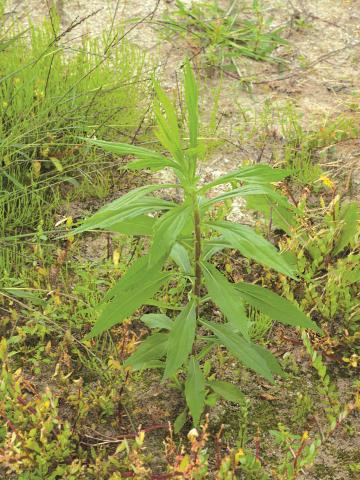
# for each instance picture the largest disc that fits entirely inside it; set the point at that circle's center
(130, 205)
(180, 256)
(180, 421)
(157, 320)
(252, 245)
(195, 390)
(166, 231)
(250, 174)
(151, 164)
(248, 190)
(270, 360)
(191, 99)
(148, 157)
(168, 131)
(227, 390)
(142, 225)
(181, 339)
(226, 297)
(149, 352)
(240, 348)
(137, 286)
(276, 307)
(106, 220)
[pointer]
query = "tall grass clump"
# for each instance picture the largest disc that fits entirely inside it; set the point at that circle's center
(50, 94)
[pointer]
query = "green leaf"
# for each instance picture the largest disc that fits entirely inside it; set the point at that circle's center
(24, 294)
(227, 390)
(151, 349)
(137, 286)
(226, 297)
(276, 307)
(248, 190)
(57, 164)
(166, 231)
(240, 348)
(281, 216)
(252, 245)
(157, 320)
(181, 339)
(180, 256)
(149, 157)
(142, 225)
(168, 130)
(270, 360)
(349, 217)
(180, 421)
(151, 164)
(250, 174)
(195, 390)
(191, 99)
(131, 205)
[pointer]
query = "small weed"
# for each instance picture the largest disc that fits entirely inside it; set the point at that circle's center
(221, 36)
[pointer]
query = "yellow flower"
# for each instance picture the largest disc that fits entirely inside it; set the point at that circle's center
(239, 454)
(305, 436)
(327, 181)
(352, 361)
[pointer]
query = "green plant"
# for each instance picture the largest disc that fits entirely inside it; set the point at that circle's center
(303, 147)
(324, 245)
(222, 36)
(47, 99)
(189, 234)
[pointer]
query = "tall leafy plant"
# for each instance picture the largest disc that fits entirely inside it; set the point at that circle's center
(185, 233)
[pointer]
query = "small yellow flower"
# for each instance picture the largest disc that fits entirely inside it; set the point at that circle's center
(305, 436)
(353, 361)
(239, 454)
(327, 181)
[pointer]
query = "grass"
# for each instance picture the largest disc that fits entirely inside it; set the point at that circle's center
(49, 97)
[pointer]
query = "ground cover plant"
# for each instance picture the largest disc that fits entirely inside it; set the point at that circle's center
(77, 404)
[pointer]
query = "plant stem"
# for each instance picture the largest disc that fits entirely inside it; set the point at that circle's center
(197, 255)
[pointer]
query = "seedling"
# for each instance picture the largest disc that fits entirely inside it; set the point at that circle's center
(188, 233)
